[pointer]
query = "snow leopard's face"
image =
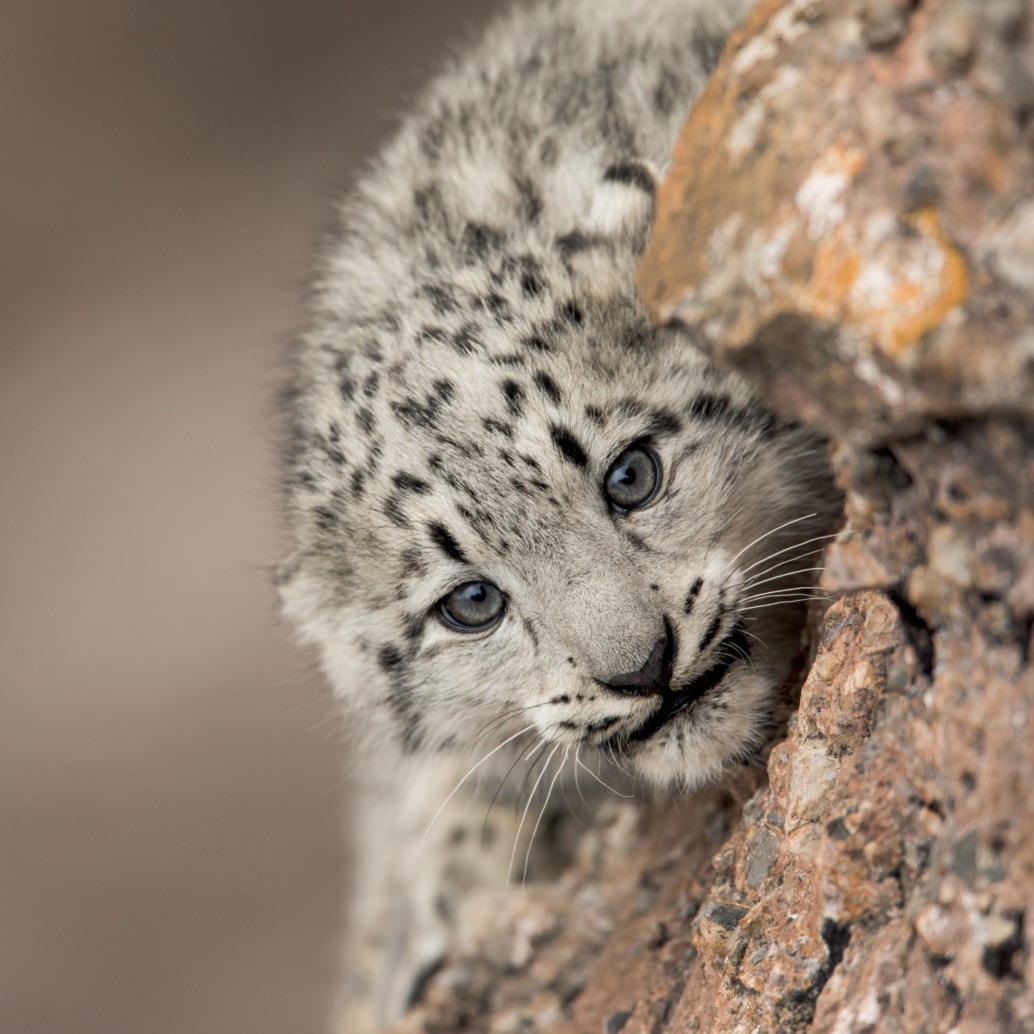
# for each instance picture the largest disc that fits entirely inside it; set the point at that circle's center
(524, 515)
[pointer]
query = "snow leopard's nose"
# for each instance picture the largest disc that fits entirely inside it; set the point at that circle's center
(654, 677)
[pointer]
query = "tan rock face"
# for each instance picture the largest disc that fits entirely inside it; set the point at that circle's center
(852, 201)
(849, 224)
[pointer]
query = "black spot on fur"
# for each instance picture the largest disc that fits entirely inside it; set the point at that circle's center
(548, 386)
(325, 518)
(576, 241)
(412, 412)
(370, 384)
(572, 313)
(494, 426)
(668, 92)
(709, 407)
(389, 657)
(373, 457)
(479, 519)
(329, 449)
(443, 539)
(753, 417)
(412, 564)
(528, 274)
(358, 477)
(346, 388)
(691, 596)
(532, 283)
(532, 634)
(479, 240)
(631, 174)
(393, 511)
(514, 395)
(431, 333)
(638, 542)
(663, 421)
(596, 415)
(366, 420)
(442, 298)
(569, 446)
(530, 205)
(466, 339)
(712, 630)
(411, 483)
(537, 343)
(497, 305)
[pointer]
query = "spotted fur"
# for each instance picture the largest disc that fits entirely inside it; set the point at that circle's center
(475, 361)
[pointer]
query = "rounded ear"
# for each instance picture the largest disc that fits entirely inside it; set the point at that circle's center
(624, 202)
(603, 249)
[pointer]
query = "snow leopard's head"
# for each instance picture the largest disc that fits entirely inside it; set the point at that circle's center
(520, 512)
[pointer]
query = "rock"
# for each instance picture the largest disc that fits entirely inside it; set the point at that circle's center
(848, 224)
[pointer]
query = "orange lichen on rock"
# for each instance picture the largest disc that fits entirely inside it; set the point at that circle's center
(895, 290)
(858, 177)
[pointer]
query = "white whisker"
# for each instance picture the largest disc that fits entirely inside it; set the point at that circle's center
(520, 825)
(757, 639)
(536, 756)
(502, 719)
(782, 563)
(789, 599)
(781, 592)
(523, 756)
(780, 552)
(617, 764)
(545, 806)
(627, 796)
(796, 520)
(577, 762)
(753, 583)
(470, 772)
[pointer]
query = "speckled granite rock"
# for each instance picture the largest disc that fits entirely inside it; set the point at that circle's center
(850, 224)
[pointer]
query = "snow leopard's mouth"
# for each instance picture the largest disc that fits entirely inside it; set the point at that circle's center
(730, 649)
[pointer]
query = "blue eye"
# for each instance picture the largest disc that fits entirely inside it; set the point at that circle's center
(472, 607)
(633, 478)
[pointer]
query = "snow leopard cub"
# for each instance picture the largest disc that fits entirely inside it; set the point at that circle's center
(528, 526)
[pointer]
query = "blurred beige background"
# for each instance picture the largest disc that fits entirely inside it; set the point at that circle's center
(171, 803)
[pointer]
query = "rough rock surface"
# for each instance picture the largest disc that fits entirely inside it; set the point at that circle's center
(850, 223)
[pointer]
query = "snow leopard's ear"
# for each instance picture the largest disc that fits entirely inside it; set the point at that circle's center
(624, 201)
(620, 215)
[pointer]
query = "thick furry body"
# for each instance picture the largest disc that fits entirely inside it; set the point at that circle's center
(477, 363)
